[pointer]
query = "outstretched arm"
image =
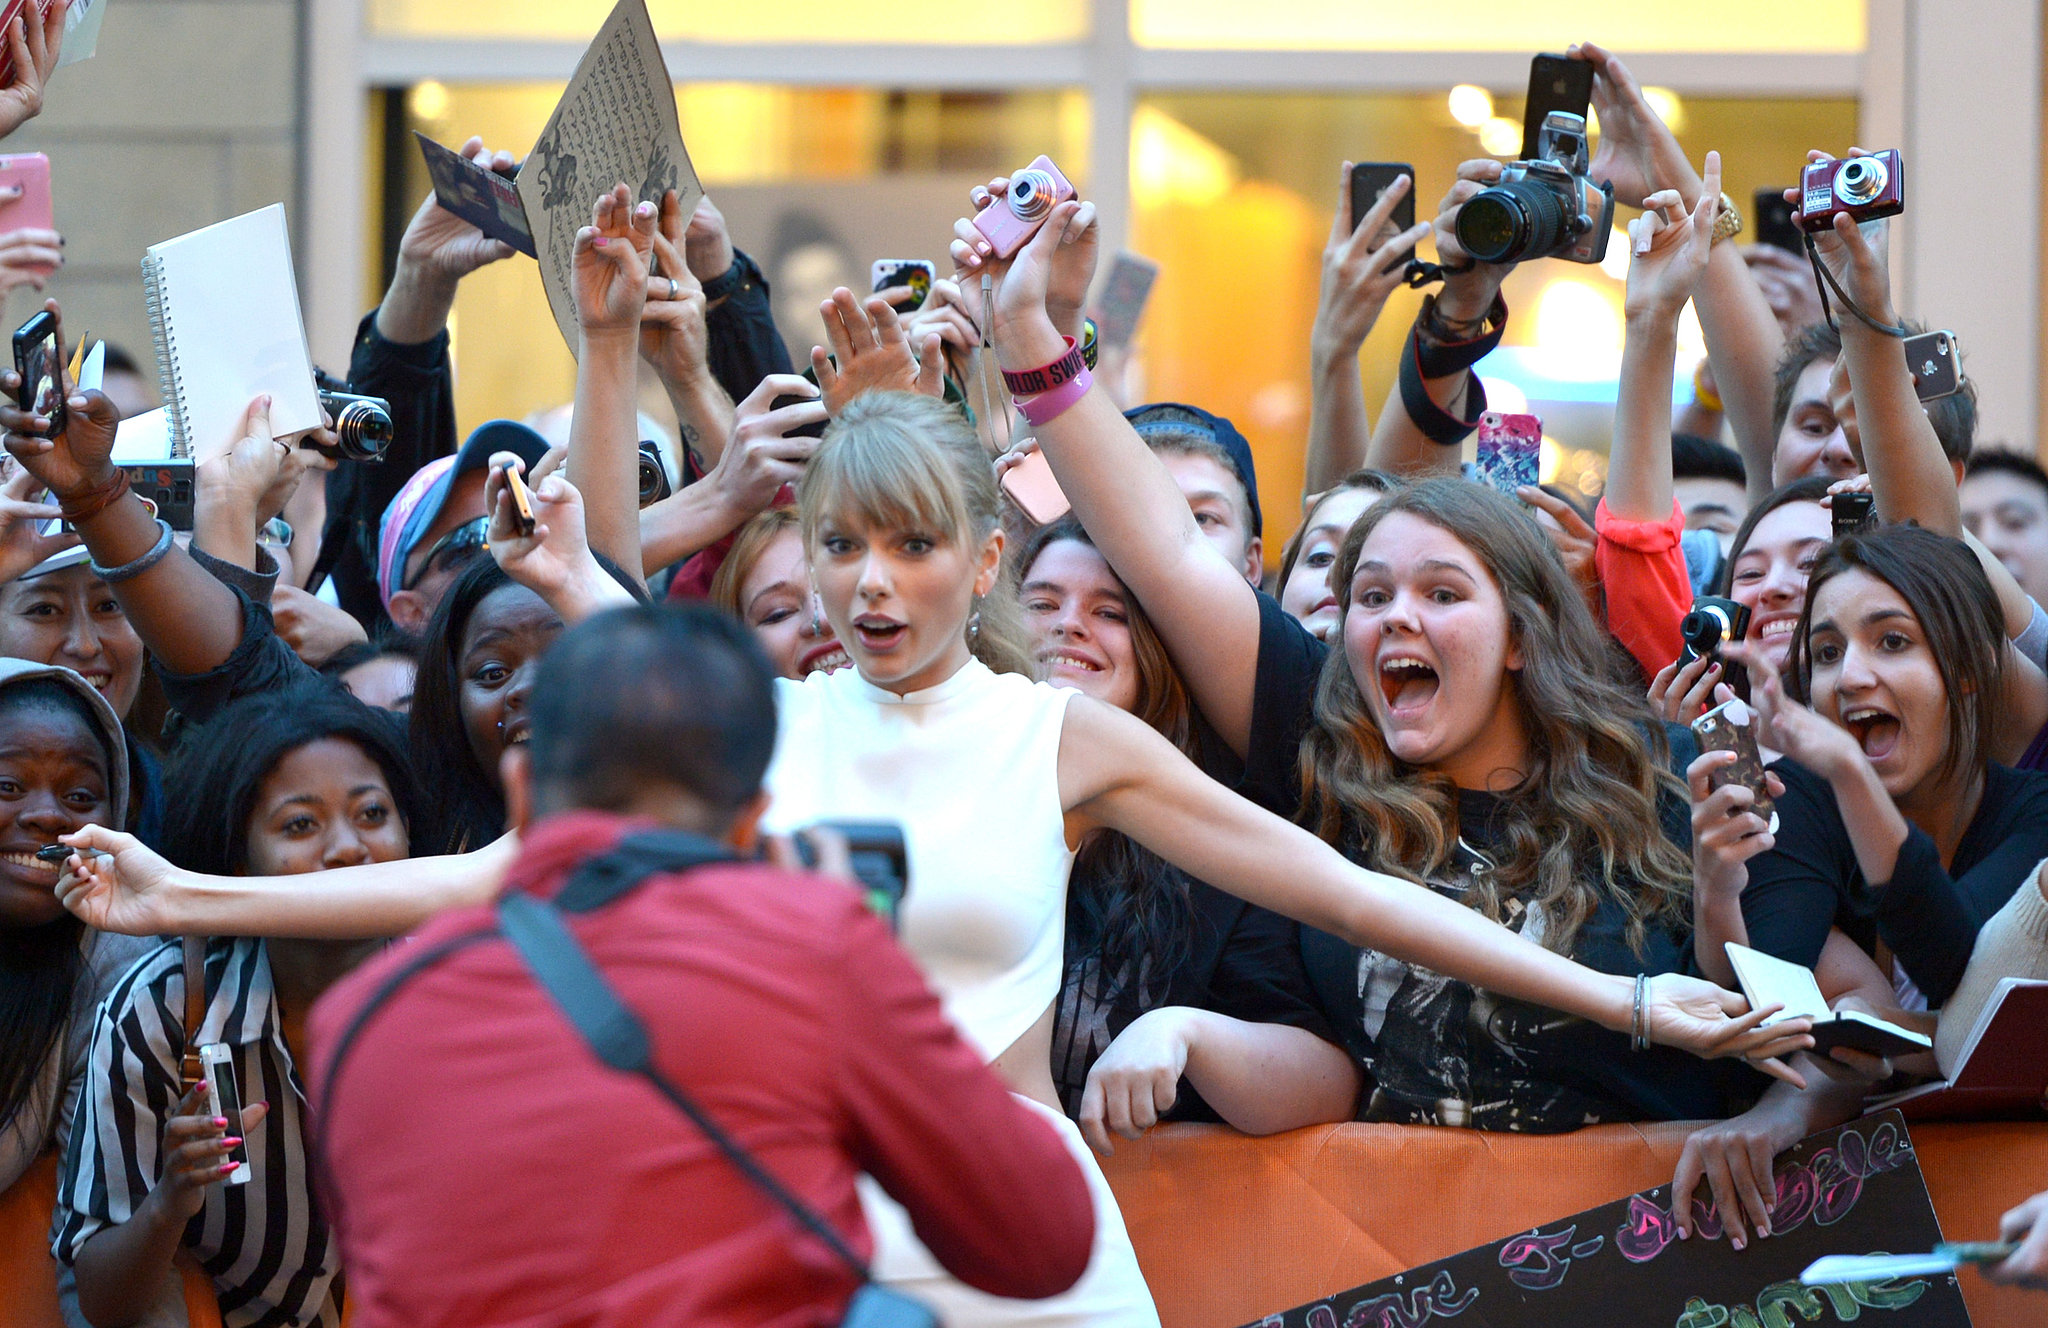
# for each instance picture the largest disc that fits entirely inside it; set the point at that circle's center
(1116, 773)
(1204, 612)
(611, 289)
(135, 892)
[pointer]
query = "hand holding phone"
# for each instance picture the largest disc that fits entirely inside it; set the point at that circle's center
(1731, 727)
(1031, 486)
(39, 360)
(913, 274)
(522, 497)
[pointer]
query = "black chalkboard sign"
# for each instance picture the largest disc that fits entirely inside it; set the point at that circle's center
(1855, 1189)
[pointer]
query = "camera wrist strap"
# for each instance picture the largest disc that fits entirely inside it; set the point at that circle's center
(1824, 281)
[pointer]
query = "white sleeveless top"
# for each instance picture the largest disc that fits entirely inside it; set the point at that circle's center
(970, 769)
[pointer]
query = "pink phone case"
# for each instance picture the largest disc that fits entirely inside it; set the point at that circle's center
(1510, 448)
(30, 172)
(1032, 487)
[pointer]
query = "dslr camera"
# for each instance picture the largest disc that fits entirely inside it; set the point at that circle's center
(1864, 187)
(1713, 623)
(1545, 207)
(362, 425)
(654, 485)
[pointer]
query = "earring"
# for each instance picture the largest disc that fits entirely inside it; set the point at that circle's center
(974, 622)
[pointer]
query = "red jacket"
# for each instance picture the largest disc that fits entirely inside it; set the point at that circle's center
(487, 1169)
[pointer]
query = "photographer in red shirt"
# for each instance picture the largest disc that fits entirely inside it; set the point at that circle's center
(483, 1167)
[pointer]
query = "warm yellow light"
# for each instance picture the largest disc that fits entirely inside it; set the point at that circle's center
(1692, 342)
(1549, 456)
(1172, 164)
(1668, 107)
(1501, 136)
(1505, 397)
(1615, 261)
(1471, 105)
(1578, 330)
(428, 100)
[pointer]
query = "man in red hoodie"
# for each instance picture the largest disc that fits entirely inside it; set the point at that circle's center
(483, 1167)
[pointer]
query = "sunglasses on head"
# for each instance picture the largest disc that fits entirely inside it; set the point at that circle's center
(470, 537)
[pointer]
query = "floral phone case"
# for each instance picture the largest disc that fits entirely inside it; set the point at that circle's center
(1509, 451)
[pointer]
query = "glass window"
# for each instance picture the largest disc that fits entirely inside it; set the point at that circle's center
(1498, 25)
(815, 183)
(1234, 196)
(891, 22)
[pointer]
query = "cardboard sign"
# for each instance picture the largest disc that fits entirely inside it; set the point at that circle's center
(1855, 1189)
(616, 123)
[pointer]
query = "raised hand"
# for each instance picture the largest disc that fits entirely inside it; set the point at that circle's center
(1638, 153)
(315, 630)
(673, 335)
(1362, 266)
(610, 262)
(1726, 830)
(706, 245)
(1852, 259)
(1681, 695)
(195, 1148)
(762, 456)
(443, 244)
(1032, 286)
(22, 543)
(872, 353)
(1467, 294)
(1797, 731)
(114, 882)
(35, 41)
(76, 461)
(1669, 246)
(1786, 279)
(28, 257)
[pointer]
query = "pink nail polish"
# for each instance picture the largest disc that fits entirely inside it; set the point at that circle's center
(231, 1141)
(227, 1168)
(221, 1121)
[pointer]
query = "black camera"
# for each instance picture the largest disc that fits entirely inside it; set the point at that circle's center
(1852, 512)
(880, 861)
(654, 485)
(362, 425)
(1713, 623)
(1545, 207)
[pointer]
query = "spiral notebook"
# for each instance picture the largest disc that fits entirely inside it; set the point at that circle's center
(224, 312)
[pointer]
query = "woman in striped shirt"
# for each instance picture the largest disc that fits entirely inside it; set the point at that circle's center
(311, 779)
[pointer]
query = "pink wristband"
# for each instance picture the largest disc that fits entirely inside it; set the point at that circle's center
(1046, 407)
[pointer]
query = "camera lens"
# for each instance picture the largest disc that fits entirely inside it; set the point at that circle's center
(1860, 179)
(1511, 222)
(362, 432)
(654, 485)
(1030, 194)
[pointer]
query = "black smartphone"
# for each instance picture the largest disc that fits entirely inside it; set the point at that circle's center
(1774, 224)
(38, 358)
(1369, 181)
(1936, 359)
(1555, 84)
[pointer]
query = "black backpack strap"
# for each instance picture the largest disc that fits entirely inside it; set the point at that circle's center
(537, 930)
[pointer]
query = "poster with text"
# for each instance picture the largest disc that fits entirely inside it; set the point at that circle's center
(1855, 1189)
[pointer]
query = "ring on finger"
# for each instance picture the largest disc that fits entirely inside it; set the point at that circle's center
(672, 288)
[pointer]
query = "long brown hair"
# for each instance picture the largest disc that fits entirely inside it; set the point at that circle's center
(1582, 822)
(761, 530)
(900, 461)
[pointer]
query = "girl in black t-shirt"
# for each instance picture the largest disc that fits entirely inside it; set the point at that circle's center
(1179, 1002)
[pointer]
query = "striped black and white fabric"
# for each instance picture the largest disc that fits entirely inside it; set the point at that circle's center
(272, 1259)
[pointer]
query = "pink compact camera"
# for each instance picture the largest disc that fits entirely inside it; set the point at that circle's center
(1864, 187)
(1009, 222)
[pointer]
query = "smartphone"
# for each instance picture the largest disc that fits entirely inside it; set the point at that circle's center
(522, 499)
(881, 863)
(217, 1060)
(1122, 302)
(1555, 84)
(1369, 181)
(1032, 487)
(1731, 727)
(915, 273)
(1936, 359)
(39, 361)
(29, 172)
(1510, 448)
(1774, 224)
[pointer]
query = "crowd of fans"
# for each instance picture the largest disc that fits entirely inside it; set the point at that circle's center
(1413, 829)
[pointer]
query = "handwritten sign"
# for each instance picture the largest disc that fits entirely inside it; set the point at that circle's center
(616, 124)
(1851, 1190)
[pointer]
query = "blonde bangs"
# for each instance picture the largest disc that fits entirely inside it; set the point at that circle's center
(879, 466)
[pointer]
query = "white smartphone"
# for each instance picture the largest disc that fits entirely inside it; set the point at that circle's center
(217, 1061)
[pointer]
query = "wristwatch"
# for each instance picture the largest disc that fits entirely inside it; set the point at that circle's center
(1728, 221)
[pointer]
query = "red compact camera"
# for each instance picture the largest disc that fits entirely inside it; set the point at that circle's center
(1864, 187)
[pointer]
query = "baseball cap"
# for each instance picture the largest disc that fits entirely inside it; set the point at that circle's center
(418, 505)
(1172, 417)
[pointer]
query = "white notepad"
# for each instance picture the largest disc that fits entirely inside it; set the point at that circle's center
(1768, 980)
(224, 312)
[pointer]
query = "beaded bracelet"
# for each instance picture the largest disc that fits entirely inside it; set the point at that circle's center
(127, 571)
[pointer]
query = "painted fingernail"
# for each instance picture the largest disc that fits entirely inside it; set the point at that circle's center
(1736, 1242)
(231, 1141)
(985, 247)
(1684, 1234)
(227, 1168)
(1763, 1233)
(221, 1122)
(264, 1103)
